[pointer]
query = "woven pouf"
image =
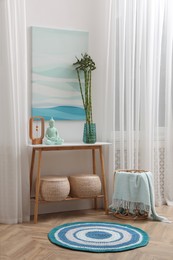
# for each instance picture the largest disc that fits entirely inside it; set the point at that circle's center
(83, 186)
(54, 188)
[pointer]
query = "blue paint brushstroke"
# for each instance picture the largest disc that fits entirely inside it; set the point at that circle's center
(60, 113)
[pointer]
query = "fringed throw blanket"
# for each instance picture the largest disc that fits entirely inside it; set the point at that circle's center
(134, 191)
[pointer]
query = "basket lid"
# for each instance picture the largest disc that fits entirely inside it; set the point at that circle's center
(53, 178)
(131, 171)
(84, 176)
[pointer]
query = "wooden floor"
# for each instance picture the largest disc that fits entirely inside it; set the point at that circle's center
(29, 241)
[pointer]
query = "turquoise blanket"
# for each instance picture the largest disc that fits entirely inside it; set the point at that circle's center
(135, 191)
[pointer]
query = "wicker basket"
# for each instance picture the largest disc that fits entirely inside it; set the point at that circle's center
(131, 171)
(124, 213)
(54, 188)
(85, 186)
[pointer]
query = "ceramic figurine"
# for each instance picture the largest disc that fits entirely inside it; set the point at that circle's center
(52, 136)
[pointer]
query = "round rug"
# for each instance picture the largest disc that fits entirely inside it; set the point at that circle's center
(98, 236)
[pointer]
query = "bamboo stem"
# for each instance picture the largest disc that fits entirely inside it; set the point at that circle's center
(86, 65)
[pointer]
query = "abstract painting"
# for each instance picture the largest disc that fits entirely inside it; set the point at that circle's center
(55, 87)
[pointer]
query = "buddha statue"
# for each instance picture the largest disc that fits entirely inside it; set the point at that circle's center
(52, 136)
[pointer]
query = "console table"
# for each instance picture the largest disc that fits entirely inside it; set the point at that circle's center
(68, 146)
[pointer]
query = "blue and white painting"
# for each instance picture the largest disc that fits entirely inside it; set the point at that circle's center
(55, 87)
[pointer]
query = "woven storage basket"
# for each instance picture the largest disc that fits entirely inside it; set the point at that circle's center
(124, 213)
(54, 188)
(83, 186)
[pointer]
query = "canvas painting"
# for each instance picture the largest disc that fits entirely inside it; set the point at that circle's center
(55, 87)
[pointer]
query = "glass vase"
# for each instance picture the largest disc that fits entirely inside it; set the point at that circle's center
(89, 133)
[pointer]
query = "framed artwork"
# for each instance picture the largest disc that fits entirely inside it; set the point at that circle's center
(55, 87)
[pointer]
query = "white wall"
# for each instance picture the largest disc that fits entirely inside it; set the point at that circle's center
(87, 15)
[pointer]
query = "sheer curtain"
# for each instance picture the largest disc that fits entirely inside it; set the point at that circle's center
(139, 88)
(14, 176)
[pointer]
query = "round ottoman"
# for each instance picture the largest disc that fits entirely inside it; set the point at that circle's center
(54, 188)
(84, 186)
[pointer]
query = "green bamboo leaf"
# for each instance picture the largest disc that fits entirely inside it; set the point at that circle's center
(87, 65)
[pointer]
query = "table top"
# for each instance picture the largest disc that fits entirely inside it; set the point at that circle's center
(66, 145)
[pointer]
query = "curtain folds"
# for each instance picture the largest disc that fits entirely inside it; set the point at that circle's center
(14, 166)
(139, 89)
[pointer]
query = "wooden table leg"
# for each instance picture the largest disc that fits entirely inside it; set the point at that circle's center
(103, 180)
(94, 172)
(37, 187)
(31, 169)
(94, 161)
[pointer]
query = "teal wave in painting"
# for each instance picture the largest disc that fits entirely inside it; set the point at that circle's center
(57, 72)
(60, 113)
(65, 86)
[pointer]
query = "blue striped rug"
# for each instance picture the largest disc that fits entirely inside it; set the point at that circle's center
(98, 237)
